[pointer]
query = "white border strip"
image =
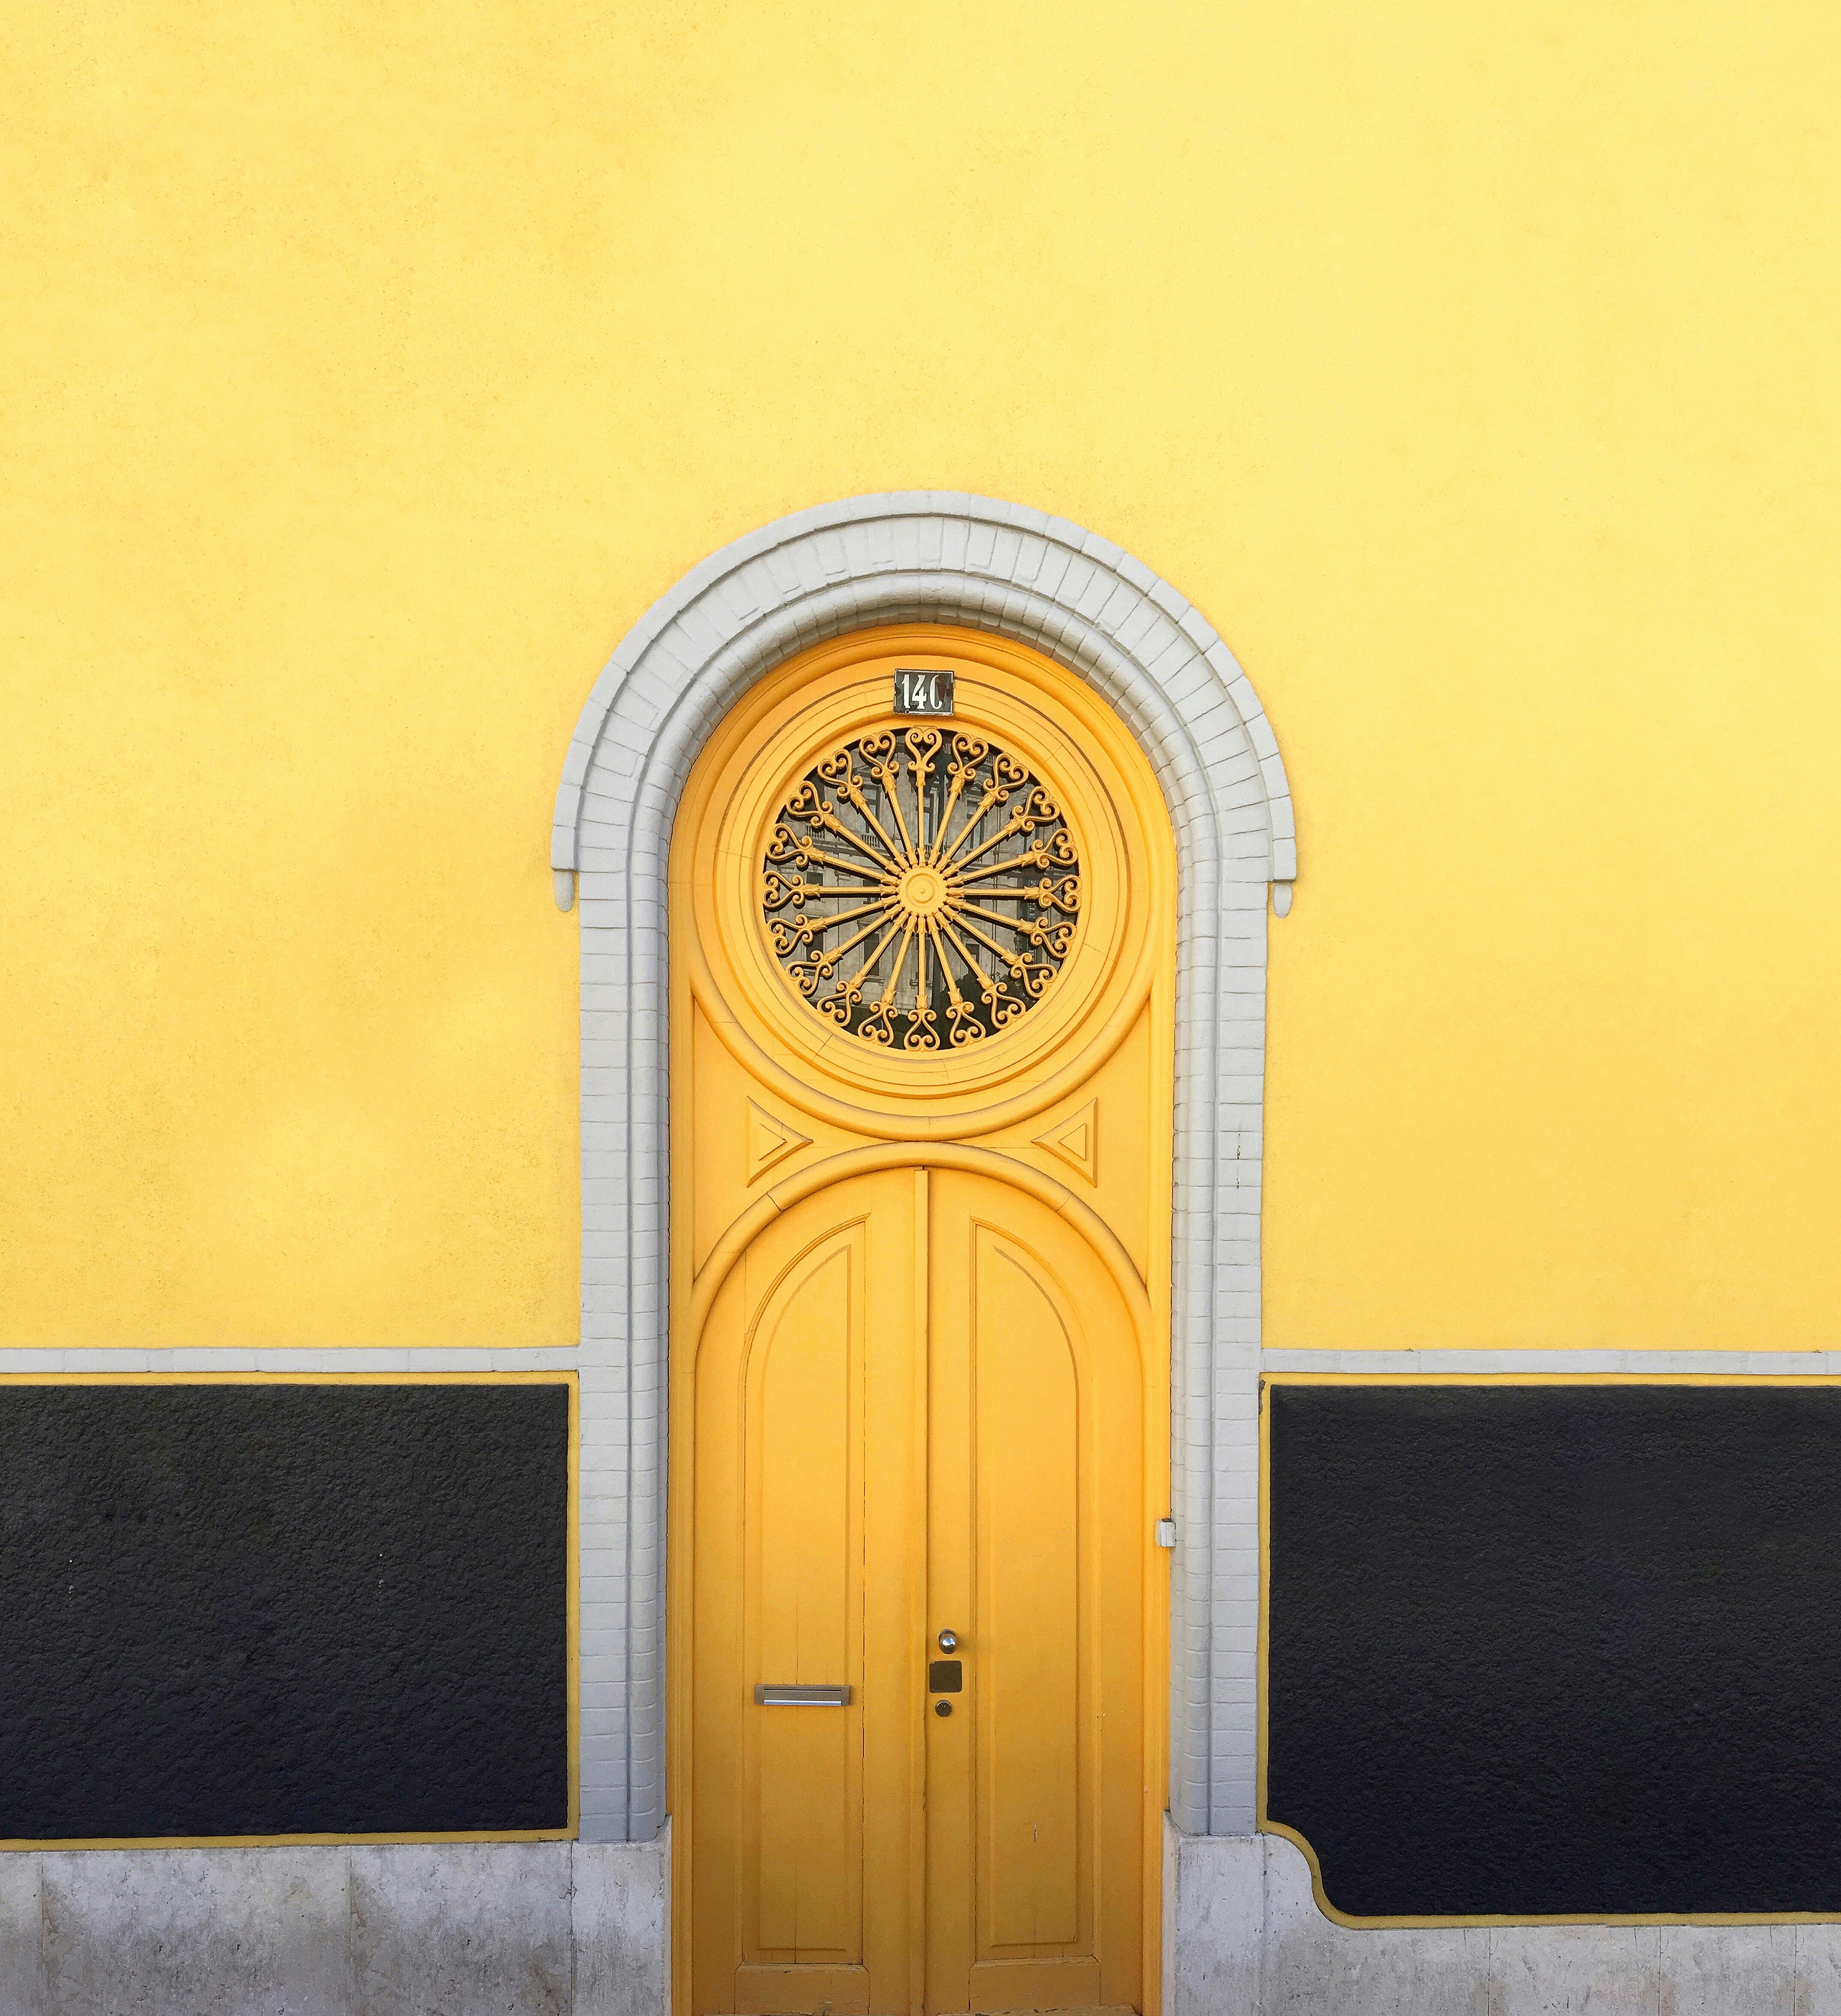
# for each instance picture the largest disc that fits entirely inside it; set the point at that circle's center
(217, 1358)
(1640, 1364)
(925, 556)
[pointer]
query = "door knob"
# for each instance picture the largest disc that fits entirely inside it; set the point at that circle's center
(948, 1641)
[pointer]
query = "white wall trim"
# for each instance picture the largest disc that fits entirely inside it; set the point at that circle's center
(928, 557)
(427, 1359)
(1643, 1363)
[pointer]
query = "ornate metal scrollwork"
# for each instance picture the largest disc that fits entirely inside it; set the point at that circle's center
(920, 888)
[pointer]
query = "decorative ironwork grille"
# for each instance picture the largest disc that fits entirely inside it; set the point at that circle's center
(920, 887)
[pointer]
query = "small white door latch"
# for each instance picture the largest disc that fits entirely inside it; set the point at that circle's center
(1166, 1532)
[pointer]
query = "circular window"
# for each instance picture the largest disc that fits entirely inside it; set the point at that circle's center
(920, 887)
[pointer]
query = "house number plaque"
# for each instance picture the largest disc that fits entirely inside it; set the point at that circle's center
(923, 692)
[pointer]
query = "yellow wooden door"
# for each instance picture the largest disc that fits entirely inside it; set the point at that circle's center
(919, 1413)
(920, 1080)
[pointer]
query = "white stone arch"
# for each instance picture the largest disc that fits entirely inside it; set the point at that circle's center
(923, 556)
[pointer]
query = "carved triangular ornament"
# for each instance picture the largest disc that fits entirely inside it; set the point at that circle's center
(770, 1140)
(1076, 1139)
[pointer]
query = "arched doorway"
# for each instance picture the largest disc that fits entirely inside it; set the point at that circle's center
(922, 1007)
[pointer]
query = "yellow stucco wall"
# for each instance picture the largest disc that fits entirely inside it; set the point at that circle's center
(368, 370)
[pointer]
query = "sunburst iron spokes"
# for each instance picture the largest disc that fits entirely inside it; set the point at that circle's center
(921, 888)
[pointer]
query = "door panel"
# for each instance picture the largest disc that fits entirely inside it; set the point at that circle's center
(802, 1605)
(805, 1473)
(1033, 1772)
(1035, 1477)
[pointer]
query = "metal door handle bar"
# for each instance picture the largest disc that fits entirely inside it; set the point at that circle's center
(767, 1695)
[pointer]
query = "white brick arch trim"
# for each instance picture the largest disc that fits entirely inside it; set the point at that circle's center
(923, 556)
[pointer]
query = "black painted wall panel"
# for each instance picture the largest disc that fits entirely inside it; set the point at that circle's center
(1547, 1651)
(285, 1609)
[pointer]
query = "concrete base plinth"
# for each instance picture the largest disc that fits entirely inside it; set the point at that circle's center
(560, 1928)
(1244, 1937)
(546, 1928)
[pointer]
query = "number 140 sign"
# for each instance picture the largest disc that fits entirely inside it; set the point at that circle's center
(923, 692)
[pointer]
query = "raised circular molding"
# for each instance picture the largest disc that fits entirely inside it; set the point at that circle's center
(756, 755)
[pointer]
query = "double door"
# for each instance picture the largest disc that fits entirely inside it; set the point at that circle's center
(918, 1774)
